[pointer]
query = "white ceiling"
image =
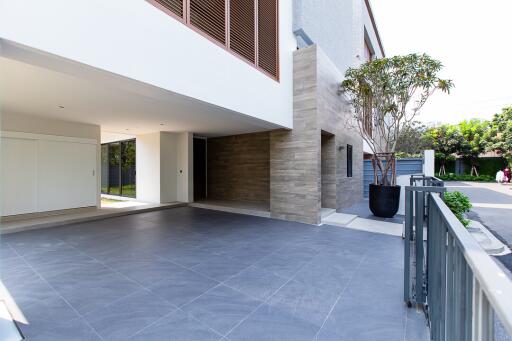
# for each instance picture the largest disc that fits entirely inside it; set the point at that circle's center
(117, 104)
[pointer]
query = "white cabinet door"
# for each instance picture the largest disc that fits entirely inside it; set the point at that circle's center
(18, 176)
(66, 175)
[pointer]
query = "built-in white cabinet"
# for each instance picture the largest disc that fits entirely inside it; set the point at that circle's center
(42, 173)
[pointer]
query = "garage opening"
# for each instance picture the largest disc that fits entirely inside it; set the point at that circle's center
(237, 173)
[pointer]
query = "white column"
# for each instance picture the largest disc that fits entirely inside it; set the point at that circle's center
(429, 163)
(164, 167)
(148, 167)
(185, 168)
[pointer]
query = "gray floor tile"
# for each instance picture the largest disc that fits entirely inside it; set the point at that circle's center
(56, 308)
(281, 265)
(188, 257)
(125, 317)
(93, 288)
(306, 302)
(221, 308)
(220, 268)
(182, 286)
(272, 324)
(75, 330)
(177, 327)
(56, 262)
(145, 271)
(311, 267)
(256, 282)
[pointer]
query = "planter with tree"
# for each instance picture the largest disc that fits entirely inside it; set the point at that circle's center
(386, 95)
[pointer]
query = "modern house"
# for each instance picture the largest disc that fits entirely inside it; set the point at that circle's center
(232, 101)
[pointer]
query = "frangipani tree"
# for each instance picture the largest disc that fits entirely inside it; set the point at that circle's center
(387, 94)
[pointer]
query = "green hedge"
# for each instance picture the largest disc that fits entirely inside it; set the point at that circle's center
(467, 177)
(486, 166)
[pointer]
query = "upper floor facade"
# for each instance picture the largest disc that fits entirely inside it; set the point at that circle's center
(236, 55)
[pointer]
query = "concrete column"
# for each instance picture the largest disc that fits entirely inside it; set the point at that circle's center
(429, 163)
(164, 167)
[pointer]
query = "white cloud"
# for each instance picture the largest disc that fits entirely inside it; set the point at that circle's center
(471, 38)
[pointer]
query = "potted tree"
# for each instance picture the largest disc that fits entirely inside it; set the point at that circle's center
(386, 95)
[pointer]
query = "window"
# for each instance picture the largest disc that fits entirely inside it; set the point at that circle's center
(247, 28)
(349, 161)
(118, 168)
(368, 55)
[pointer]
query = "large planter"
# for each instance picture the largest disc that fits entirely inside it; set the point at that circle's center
(384, 200)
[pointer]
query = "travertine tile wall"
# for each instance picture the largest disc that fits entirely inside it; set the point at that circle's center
(239, 168)
(296, 155)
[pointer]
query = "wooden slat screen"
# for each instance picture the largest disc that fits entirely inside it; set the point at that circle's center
(175, 6)
(242, 28)
(248, 28)
(210, 17)
(267, 36)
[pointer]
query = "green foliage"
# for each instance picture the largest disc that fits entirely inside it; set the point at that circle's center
(459, 204)
(446, 140)
(403, 155)
(499, 135)
(412, 142)
(466, 177)
(474, 143)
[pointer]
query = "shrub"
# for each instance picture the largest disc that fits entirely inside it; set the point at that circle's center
(459, 204)
(466, 177)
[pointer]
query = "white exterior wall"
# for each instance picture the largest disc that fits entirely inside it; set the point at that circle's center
(147, 163)
(48, 165)
(164, 167)
(134, 39)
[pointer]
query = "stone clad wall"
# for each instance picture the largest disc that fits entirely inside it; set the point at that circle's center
(239, 168)
(294, 154)
(335, 117)
(297, 177)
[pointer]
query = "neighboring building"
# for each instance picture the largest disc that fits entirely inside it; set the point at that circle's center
(232, 101)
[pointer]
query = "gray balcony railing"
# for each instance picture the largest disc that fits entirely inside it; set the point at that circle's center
(461, 288)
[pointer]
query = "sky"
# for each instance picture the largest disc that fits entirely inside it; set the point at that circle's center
(473, 40)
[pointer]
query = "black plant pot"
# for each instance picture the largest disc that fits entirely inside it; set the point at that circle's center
(384, 200)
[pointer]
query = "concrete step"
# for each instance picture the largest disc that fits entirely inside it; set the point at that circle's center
(492, 245)
(338, 219)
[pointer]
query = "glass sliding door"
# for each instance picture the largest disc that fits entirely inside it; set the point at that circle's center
(118, 168)
(114, 157)
(128, 168)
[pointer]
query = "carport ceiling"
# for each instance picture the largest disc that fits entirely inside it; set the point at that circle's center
(129, 107)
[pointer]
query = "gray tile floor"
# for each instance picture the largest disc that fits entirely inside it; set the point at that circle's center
(193, 274)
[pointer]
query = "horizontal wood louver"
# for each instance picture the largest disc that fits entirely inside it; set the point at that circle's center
(210, 17)
(242, 28)
(267, 36)
(175, 6)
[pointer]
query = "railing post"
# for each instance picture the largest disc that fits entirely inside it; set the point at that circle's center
(407, 249)
(420, 211)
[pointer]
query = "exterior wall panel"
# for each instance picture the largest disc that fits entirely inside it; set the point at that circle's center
(238, 168)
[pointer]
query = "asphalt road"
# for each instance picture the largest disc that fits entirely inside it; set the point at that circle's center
(492, 206)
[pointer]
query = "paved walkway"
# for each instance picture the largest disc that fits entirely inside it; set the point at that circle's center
(195, 274)
(492, 206)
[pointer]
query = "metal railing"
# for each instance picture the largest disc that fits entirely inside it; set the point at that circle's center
(461, 288)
